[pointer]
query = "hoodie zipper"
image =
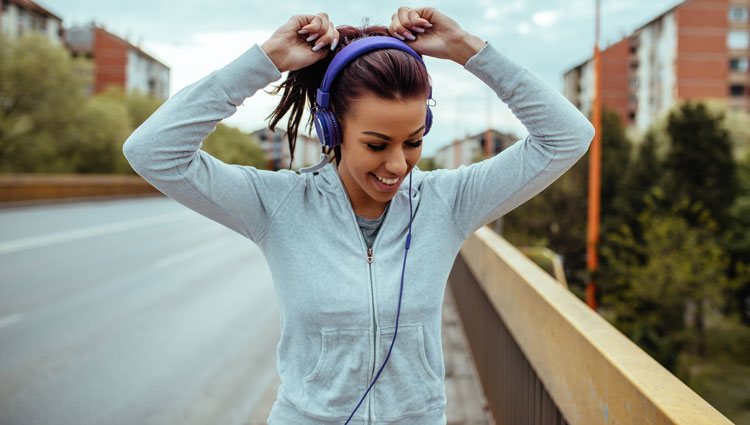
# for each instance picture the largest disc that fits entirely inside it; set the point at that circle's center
(370, 257)
(372, 304)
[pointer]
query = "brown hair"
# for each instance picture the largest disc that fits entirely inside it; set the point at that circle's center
(390, 74)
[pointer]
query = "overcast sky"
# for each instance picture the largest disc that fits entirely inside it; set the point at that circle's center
(195, 37)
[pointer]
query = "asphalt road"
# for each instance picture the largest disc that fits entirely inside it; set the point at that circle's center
(131, 312)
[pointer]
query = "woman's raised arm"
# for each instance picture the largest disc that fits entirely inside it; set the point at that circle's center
(165, 149)
(559, 134)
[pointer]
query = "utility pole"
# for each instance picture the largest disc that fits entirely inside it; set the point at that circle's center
(592, 237)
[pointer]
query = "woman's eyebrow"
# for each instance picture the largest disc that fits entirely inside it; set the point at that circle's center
(387, 138)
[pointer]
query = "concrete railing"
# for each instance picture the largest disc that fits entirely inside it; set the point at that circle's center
(34, 189)
(544, 357)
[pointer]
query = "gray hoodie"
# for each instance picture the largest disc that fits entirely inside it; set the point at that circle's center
(338, 309)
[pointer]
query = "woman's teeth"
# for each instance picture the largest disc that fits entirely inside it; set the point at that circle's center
(387, 181)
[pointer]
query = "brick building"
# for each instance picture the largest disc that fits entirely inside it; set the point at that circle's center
(473, 148)
(117, 61)
(698, 49)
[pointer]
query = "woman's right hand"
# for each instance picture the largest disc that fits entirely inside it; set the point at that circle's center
(291, 46)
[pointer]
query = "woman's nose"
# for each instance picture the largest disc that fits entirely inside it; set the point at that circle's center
(397, 164)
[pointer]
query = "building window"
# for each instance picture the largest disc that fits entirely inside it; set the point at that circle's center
(738, 14)
(738, 64)
(738, 39)
(736, 90)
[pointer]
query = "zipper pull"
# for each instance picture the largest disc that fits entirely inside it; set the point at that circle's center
(369, 255)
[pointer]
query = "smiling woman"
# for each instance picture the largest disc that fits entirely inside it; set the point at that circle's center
(373, 169)
(336, 237)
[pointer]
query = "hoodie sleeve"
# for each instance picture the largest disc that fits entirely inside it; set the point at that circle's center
(559, 135)
(165, 150)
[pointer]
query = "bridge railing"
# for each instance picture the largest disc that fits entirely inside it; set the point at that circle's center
(544, 357)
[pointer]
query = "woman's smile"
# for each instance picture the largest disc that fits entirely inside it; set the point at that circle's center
(384, 186)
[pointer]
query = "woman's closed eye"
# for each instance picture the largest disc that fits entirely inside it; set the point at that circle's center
(381, 147)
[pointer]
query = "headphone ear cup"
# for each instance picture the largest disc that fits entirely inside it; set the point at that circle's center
(428, 121)
(327, 128)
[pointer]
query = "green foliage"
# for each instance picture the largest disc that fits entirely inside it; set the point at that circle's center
(96, 145)
(556, 218)
(426, 163)
(49, 125)
(737, 243)
(699, 163)
(234, 147)
(667, 278)
(139, 106)
(41, 86)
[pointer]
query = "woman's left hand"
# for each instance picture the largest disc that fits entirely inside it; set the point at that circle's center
(432, 33)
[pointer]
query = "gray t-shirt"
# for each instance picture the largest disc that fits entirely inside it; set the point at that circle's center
(370, 226)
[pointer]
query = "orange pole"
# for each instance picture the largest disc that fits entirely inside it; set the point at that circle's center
(592, 238)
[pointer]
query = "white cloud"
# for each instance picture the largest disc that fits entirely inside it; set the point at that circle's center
(205, 52)
(545, 18)
(490, 13)
(196, 57)
(523, 28)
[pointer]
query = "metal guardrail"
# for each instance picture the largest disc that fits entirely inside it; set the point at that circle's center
(544, 357)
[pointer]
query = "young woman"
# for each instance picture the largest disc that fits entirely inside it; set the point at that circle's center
(360, 321)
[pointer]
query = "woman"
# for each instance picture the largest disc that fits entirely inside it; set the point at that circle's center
(360, 325)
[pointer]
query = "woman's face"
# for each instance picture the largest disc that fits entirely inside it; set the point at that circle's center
(380, 138)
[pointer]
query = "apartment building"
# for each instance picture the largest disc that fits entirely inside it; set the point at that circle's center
(698, 49)
(117, 62)
(473, 148)
(21, 16)
(276, 149)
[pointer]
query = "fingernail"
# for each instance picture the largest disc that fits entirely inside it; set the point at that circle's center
(302, 32)
(409, 35)
(312, 37)
(428, 24)
(334, 44)
(417, 29)
(318, 46)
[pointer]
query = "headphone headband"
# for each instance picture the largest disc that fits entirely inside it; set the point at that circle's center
(350, 52)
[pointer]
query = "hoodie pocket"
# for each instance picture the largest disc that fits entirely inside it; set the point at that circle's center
(407, 385)
(340, 377)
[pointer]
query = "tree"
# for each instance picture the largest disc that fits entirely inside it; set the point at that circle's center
(139, 106)
(699, 164)
(557, 217)
(737, 243)
(41, 88)
(426, 163)
(95, 145)
(233, 146)
(669, 278)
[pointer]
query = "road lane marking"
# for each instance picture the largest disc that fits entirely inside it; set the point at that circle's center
(185, 255)
(104, 229)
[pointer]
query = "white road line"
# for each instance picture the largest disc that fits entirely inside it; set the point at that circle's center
(9, 320)
(185, 255)
(51, 239)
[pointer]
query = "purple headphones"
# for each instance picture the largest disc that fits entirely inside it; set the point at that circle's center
(326, 125)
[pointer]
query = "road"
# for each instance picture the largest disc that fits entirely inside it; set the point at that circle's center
(131, 312)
